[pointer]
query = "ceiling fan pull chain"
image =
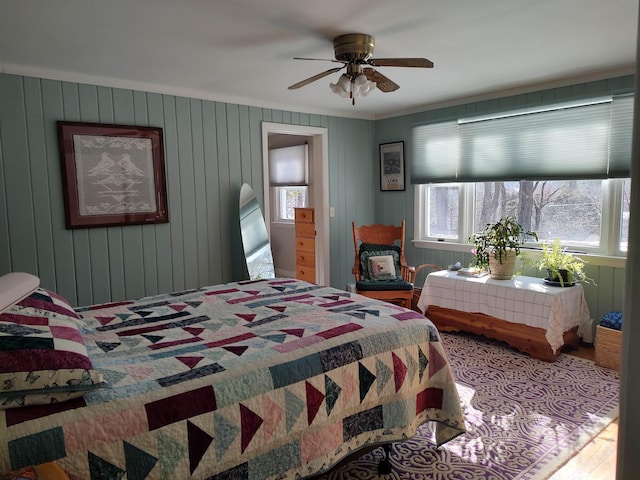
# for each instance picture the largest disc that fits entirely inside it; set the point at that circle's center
(353, 85)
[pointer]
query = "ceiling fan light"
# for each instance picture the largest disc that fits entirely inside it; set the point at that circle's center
(342, 87)
(370, 88)
(363, 86)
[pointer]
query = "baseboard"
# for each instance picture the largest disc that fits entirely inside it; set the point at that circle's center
(285, 273)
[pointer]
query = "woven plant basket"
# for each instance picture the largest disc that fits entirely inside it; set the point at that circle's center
(504, 270)
(608, 347)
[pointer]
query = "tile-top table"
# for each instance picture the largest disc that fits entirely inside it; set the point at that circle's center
(524, 312)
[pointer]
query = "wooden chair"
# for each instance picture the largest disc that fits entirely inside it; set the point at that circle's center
(373, 278)
(417, 290)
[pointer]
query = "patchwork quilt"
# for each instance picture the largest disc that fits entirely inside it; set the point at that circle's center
(255, 380)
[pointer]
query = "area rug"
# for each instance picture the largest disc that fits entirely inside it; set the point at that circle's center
(524, 417)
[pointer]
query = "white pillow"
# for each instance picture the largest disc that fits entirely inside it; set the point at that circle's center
(382, 267)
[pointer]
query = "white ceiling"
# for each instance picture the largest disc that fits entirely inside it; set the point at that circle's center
(241, 51)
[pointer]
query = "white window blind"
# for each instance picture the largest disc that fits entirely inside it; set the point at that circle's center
(567, 141)
(289, 166)
(435, 153)
(621, 136)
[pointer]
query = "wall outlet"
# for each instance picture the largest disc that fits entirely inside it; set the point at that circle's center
(332, 212)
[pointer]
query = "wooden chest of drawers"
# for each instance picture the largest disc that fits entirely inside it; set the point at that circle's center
(305, 244)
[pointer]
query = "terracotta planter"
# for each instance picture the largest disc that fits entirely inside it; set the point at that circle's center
(502, 269)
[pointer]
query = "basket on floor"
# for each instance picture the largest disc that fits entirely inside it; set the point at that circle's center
(609, 341)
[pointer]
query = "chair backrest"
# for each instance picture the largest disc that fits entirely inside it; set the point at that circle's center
(378, 234)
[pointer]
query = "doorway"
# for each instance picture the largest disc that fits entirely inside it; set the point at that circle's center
(283, 238)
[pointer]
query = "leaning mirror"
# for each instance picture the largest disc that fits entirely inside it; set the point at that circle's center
(255, 239)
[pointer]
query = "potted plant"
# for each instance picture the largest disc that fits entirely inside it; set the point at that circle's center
(497, 246)
(562, 267)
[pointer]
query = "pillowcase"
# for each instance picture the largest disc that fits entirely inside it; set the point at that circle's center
(43, 358)
(382, 267)
(368, 250)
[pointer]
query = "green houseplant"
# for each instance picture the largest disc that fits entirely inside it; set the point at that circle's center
(561, 266)
(499, 243)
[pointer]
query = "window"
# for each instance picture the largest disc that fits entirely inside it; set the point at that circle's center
(576, 211)
(289, 180)
(443, 209)
(624, 215)
(560, 169)
(289, 198)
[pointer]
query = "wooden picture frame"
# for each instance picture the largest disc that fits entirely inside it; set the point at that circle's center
(392, 166)
(113, 175)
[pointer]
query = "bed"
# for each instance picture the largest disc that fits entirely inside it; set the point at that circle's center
(273, 378)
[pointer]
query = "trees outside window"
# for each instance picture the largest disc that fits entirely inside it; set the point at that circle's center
(584, 214)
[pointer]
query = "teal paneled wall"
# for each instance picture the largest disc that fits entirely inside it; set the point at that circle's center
(391, 207)
(211, 148)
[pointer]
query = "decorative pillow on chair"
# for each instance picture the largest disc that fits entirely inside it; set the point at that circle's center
(368, 251)
(43, 358)
(382, 267)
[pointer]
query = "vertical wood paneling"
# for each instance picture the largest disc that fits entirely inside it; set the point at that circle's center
(212, 197)
(133, 261)
(337, 186)
(17, 180)
(187, 193)
(351, 187)
(148, 245)
(201, 233)
(173, 192)
(115, 255)
(224, 187)
(132, 254)
(254, 177)
(210, 149)
(232, 225)
(81, 250)
(62, 239)
(98, 265)
(5, 248)
(39, 181)
(100, 274)
(162, 231)
(244, 142)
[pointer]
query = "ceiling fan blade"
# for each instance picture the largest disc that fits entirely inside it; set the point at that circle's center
(314, 78)
(401, 62)
(383, 83)
(321, 59)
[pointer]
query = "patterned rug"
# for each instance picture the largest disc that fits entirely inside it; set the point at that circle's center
(525, 417)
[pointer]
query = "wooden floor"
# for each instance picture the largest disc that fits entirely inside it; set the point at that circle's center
(597, 460)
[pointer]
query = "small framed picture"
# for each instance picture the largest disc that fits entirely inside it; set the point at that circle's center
(113, 175)
(392, 166)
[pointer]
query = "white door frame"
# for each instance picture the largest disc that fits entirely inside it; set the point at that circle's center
(320, 159)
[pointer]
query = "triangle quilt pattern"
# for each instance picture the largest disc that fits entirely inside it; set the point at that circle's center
(199, 442)
(139, 463)
(366, 380)
(250, 423)
(225, 433)
(170, 452)
(314, 400)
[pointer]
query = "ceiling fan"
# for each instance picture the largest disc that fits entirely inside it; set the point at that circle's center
(354, 51)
